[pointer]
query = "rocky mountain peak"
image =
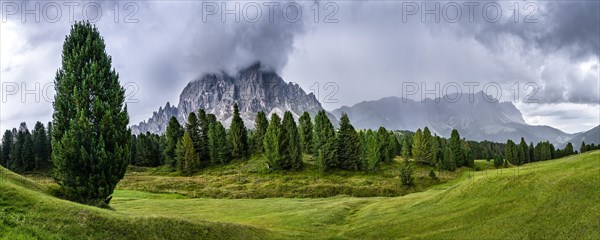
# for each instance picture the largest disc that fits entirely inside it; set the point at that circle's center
(254, 89)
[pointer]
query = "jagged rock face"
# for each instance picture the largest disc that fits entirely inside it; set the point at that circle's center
(253, 89)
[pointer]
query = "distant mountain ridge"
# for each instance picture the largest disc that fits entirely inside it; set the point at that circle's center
(254, 89)
(473, 115)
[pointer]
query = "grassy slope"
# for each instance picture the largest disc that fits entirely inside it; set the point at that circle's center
(28, 212)
(251, 179)
(555, 199)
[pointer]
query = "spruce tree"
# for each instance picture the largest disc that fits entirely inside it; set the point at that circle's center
(218, 145)
(192, 127)
(172, 136)
(531, 152)
(90, 137)
(348, 145)
(569, 149)
(393, 145)
(449, 159)
(238, 136)
(582, 149)
(305, 127)
(7, 144)
(512, 153)
(271, 143)
(28, 154)
(290, 143)
(204, 129)
(325, 148)
(498, 161)
(456, 148)
(188, 160)
(382, 138)
(40, 146)
(260, 125)
(17, 162)
(523, 152)
(49, 142)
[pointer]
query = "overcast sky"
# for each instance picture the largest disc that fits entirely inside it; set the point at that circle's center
(367, 49)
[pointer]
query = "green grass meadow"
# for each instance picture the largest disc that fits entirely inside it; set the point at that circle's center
(557, 199)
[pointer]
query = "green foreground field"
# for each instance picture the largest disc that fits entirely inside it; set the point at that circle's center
(558, 199)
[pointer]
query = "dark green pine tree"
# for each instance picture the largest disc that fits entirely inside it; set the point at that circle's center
(272, 143)
(468, 154)
(49, 143)
(449, 159)
(373, 154)
(7, 144)
(90, 138)
(512, 153)
(40, 140)
(260, 129)
(192, 127)
(569, 149)
(523, 152)
(325, 142)
(582, 148)
(348, 145)
(393, 145)
(498, 161)
(133, 149)
(18, 163)
(173, 135)
(28, 154)
(531, 152)
(186, 154)
(218, 146)
(382, 137)
(238, 136)
(204, 129)
(290, 143)
(456, 147)
(305, 127)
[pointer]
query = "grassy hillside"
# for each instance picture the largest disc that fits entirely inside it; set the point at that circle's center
(28, 212)
(251, 179)
(556, 199)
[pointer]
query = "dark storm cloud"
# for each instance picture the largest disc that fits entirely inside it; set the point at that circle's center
(570, 26)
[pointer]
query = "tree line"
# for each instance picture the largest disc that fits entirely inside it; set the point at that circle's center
(24, 151)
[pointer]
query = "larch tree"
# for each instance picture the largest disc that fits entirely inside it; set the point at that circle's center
(90, 137)
(186, 153)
